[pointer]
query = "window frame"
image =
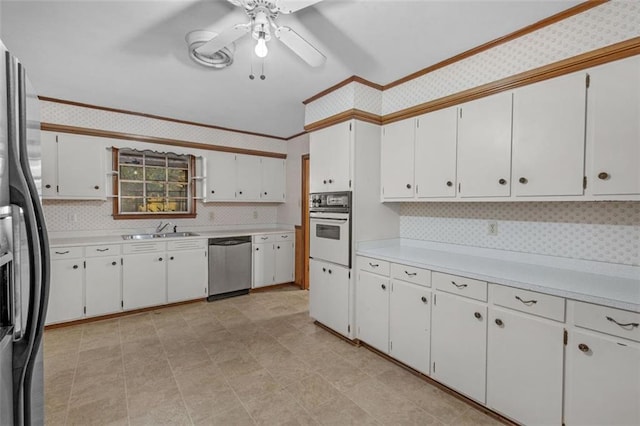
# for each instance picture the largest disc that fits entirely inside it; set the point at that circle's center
(191, 191)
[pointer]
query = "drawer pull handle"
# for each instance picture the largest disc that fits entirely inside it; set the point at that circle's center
(373, 265)
(629, 324)
(584, 348)
(284, 236)
(411, 274)
(527, 302)
(499, 322)
(62, 252)
(384, 287)
(264, 238)
(459, 286)
(424, 299)
(102, 249)
(75, 266)
(478, 315)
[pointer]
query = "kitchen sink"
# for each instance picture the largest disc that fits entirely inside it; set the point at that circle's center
(153, 236)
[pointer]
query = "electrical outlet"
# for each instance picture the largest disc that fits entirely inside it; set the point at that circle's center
(212, 216)
(492, 228)
(255, 214)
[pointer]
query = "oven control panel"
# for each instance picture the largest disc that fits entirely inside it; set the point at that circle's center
(330, 201)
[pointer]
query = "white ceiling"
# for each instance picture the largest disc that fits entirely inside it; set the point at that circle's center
(132, 54)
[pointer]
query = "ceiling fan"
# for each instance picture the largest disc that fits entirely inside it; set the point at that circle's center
(216, 50)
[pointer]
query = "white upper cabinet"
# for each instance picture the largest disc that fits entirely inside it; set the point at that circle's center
(613, 128)
(484, 147)
(549, 137)
(435, 154)
(49, 151)
(248, 175)
(221, 176)
(273, 179)
(330, 155)
(397, 160)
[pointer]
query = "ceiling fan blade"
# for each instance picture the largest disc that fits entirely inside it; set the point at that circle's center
(224, 39)
(235, 2)
(300, 46)
(291, 6)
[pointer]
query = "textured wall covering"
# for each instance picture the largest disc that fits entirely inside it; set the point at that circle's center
(335, 102)
(289, 212)
(601, 231)
(96, 215)
(71, 115)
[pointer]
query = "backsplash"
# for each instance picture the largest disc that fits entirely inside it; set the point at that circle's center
(70, 216)
(598, 231)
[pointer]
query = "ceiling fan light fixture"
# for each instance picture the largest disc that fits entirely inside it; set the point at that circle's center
(261, 46)
(217, 60)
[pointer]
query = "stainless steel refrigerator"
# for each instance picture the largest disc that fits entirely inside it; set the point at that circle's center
(24, 253)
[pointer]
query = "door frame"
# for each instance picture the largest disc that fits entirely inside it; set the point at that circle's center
(304, 220)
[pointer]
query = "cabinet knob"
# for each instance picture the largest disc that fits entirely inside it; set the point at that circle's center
(213, 192)
(424, 299)
(324, 181)
(384, 287)
(329, 271)
(478, 315)
(96, 187)
(47, 186)
(160, 259)
(265, 192)
(75, 266)
(502, 181)
(523, 180)
(603, 175)
(240, 192)
(278, 247)
(330, 180)
(449, 183)
(499, 322)
(114, 263)
(324, 269)
(171, 258)
(257, 248)
(584, 348)
(408, 186)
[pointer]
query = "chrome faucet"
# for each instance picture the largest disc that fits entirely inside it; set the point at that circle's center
(161, 227)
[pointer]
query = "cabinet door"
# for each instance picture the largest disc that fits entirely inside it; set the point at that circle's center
(525, 367)
(144, 280)
(284, 262)
(248, 176)
(221, 176)
(66, 298)
(613, 128)
(329, 295)
(263, 265)
(373, 310)
(435, 153)
(49, 151)
(273, 179)
(549, 137)
(602, 380)
(186, 275)
(397, 160)
(459, 344)
(410, 324)
(103, 285)
(81, 171)
(484, 147)
(330, 158)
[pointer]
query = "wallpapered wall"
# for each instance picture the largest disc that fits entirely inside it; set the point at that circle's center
(600, 231)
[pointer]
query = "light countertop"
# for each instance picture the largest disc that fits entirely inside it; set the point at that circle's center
(605, 284)
(87, 240)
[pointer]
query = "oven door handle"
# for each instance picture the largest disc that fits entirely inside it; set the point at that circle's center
(320, 219)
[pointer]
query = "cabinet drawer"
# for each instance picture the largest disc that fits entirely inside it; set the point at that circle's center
(376, 266)
(285, 236)
(607, 320)
(186, 244)
(411, 274)
(66, 252)
(102, 250)
(147, 247)
(543, 305)
(266, 238)
(459, 285)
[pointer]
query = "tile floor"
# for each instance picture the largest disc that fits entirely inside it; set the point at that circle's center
(255, 359)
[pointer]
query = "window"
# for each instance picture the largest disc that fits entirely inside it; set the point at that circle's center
(153, 183)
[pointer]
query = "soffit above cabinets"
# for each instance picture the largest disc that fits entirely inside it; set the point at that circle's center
(132, 55)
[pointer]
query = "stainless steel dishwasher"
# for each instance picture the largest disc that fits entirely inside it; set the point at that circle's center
(229, 267)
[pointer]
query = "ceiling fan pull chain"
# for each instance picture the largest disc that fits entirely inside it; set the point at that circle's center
(262, 76)
(251, 76)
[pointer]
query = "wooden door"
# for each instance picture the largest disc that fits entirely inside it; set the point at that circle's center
(305, 221)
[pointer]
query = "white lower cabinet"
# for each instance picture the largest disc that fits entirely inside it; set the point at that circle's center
(144, 280)
(372, 310)
(66, 302)
(459, 344)
(186, 274)
(273, 259)
(524, 367)
(410, 324)
(103, 282)
(330, 295)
